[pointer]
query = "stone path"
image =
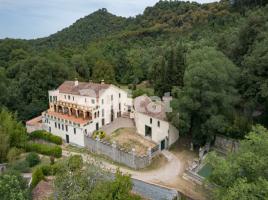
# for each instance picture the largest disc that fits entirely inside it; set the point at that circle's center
(120, 122)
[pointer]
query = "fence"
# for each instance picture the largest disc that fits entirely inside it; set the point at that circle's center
(118, 154)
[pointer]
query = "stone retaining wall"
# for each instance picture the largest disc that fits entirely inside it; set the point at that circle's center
(118, 154)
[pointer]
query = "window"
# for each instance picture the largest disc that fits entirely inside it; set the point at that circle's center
(66, 128)
(102, 101)
(158, 123)
(93, 101)
(102, 112)
(62, 127)
(119, 95)
(58, 126)
(50, 98)
(112, 97)
(73, 98)
(85, 99)
(119, 106)
(64, 96)
(55, 124)
(151, 120)
(69, 97)
(74, 130)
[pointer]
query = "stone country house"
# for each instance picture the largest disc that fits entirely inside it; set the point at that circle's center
(78, 108)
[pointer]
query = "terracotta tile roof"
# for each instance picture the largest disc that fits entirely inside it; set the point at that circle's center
(83, 88)
(156, 109)
(78, 120)
(34, 121)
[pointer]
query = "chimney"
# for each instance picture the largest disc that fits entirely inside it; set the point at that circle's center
(75, 82)
(102, 81)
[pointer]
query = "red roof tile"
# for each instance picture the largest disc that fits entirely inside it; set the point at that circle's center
(156, 109)
(83, 88)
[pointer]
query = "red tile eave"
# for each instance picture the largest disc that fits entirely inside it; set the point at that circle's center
(71, 118)
(34, 121)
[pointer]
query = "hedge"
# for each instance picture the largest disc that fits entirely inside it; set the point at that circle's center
(46, 136)
(46, 149)
(37, 176)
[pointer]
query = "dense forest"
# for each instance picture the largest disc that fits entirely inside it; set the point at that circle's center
(211, 57)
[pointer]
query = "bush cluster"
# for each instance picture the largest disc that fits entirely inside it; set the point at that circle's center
(46, 136)
(33, 159)
(42, 171)
(37, 176)
(20, 165)
(46, 149)
(99, 133)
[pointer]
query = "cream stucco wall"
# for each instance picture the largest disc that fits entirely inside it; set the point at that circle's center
(108, 99)
(165, 131)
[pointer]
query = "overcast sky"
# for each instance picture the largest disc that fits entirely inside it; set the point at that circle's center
(29, 19)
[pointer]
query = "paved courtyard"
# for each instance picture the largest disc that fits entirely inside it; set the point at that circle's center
(121, 122)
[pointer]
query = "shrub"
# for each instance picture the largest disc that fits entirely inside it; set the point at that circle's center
(46, 149)
(47, 170)
(13, 154)
(100, 133)
(33, 159)
(46, 136)
(21, 166)
(37, 176)
(75, 162)
(52, 160)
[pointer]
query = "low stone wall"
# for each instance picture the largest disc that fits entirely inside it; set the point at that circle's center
(225, 145)
(118, 154)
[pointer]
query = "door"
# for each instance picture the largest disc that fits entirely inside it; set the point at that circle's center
(163, 144)
(148, 131)
(67, 138)
(112, 115)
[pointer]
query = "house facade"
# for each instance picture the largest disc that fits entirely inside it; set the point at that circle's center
(151, 122)
(79, 108)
